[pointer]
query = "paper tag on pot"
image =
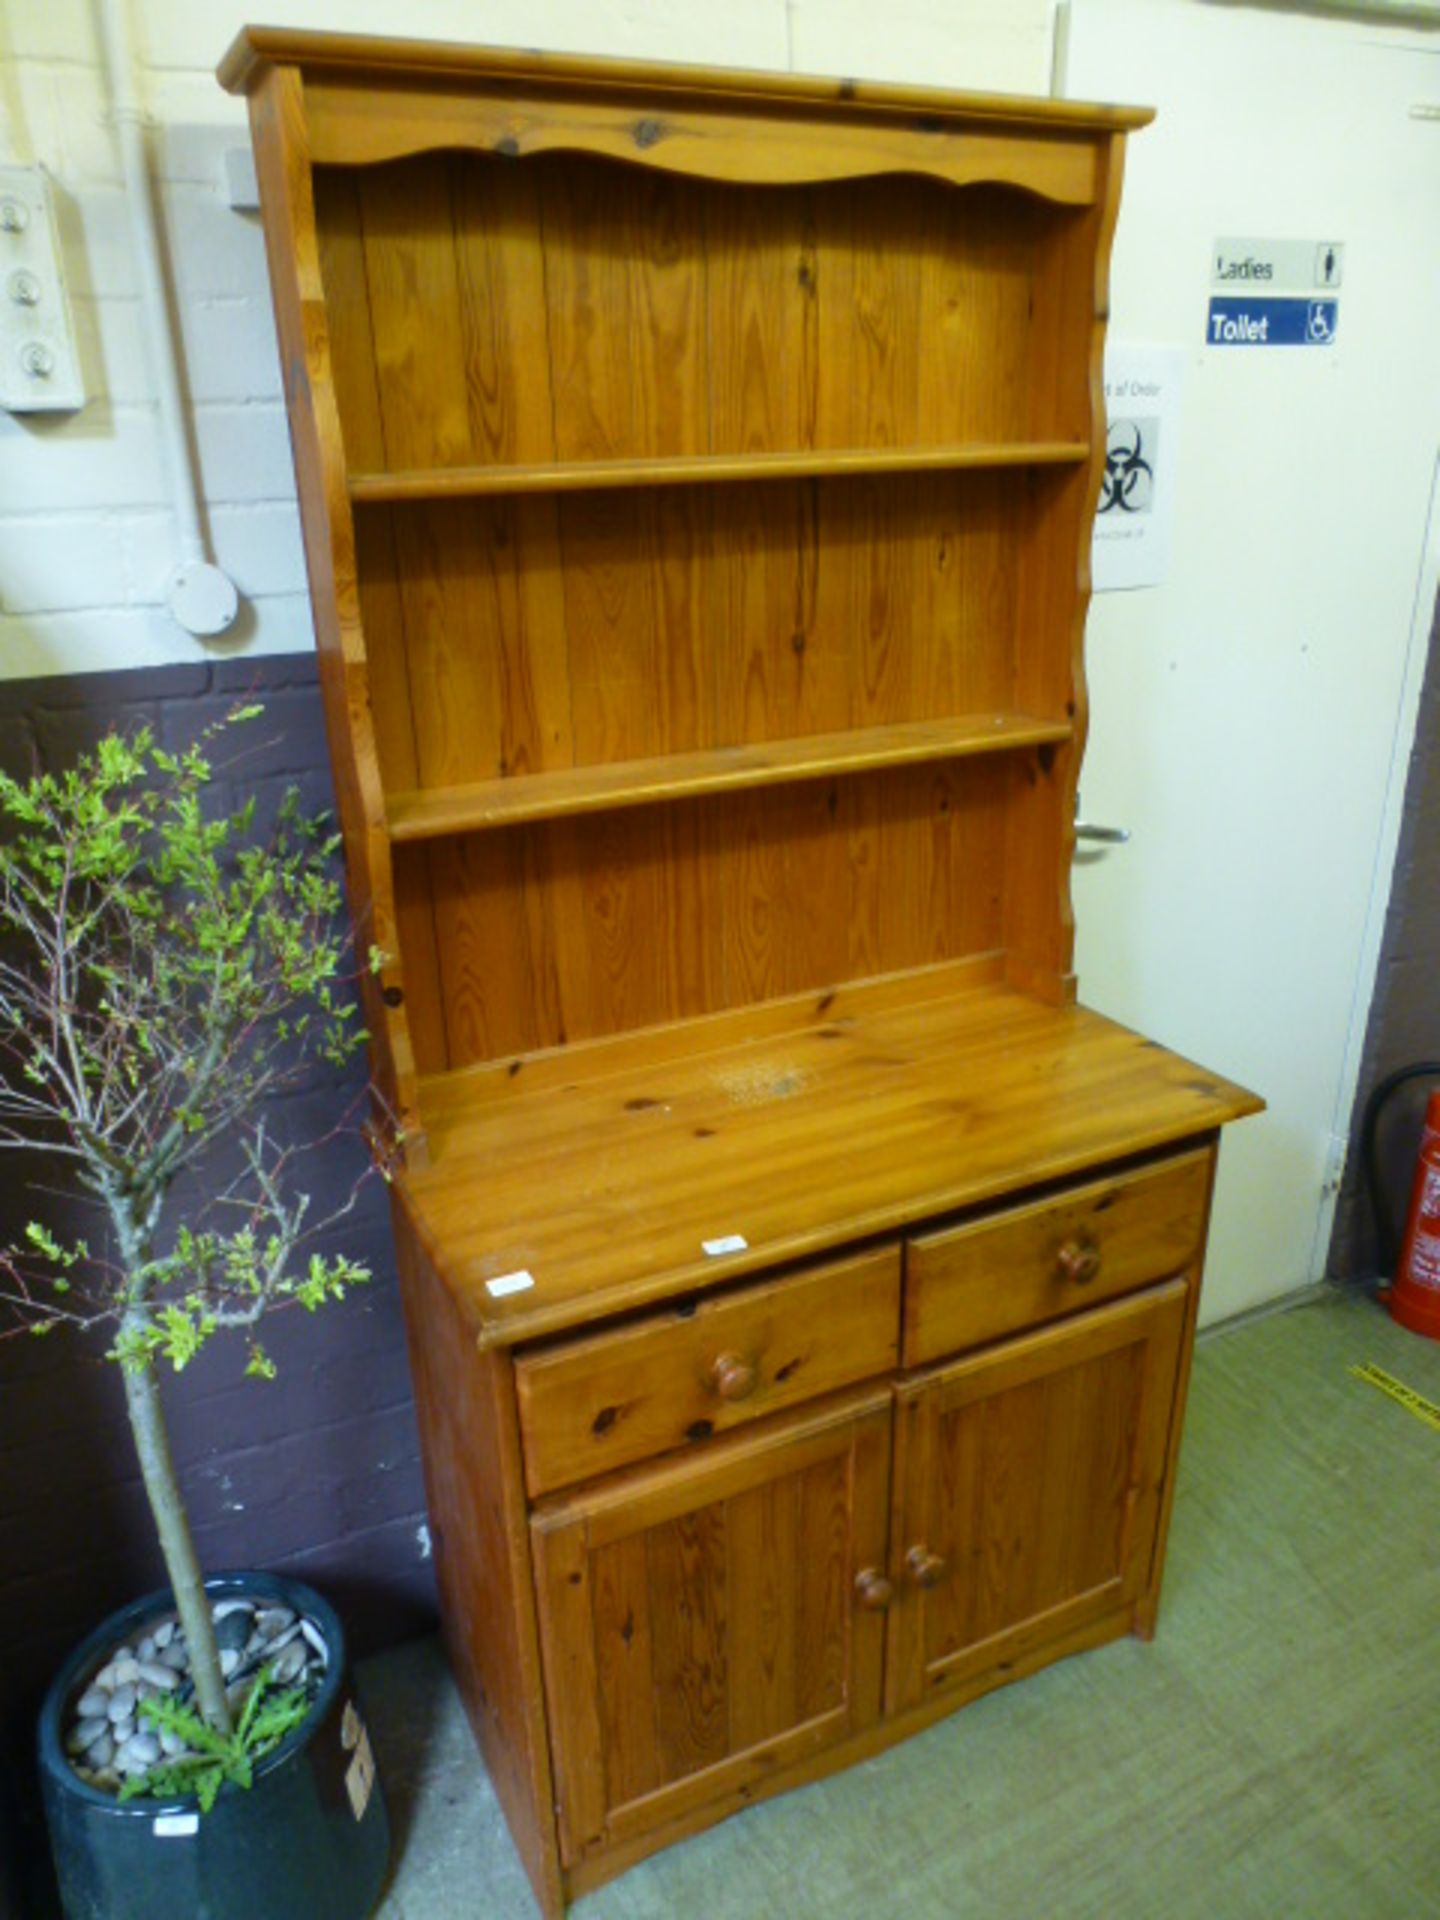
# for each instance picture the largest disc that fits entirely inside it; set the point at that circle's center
(175, 1826)
(727, 1243)
(360, 1776)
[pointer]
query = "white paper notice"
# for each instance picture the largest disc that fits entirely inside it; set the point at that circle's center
(1131, 546)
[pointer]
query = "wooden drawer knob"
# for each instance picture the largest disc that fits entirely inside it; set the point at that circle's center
(733, 1376)
(873, 1590)
(926, 1569)
(1078, 1261)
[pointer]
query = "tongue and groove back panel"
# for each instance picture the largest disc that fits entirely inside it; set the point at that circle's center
(485, 314)
(574, 308)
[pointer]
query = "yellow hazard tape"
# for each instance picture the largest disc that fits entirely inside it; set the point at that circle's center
(1408, 1398)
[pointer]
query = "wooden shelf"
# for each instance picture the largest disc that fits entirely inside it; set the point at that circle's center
(580, 476)
(429, 813)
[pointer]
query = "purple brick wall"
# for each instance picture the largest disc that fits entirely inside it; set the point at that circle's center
(1404, 1022)
(316, 1473)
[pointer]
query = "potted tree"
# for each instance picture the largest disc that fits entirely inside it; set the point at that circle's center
(165, 973)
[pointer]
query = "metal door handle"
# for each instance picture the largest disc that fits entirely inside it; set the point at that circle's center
(1105, 836)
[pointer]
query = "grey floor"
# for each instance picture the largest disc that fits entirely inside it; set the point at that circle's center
(1275, 1752)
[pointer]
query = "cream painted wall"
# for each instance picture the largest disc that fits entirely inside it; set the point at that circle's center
(84, 531)
(1247, 711)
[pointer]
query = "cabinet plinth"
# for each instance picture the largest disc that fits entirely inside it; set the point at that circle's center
(697, 472)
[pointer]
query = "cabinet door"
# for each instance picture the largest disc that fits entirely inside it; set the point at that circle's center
(703, 1622)
(1028, 1481)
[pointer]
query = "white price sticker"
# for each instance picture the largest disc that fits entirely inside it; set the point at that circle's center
(175, 1826)
(509, 1283)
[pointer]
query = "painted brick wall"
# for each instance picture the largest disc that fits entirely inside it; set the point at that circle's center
(1404, 1022)
(84, 530)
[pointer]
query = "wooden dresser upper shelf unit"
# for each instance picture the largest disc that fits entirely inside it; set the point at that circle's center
(697, 471)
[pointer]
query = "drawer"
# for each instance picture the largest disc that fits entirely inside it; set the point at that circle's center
(609, 1399)
(968, 1284)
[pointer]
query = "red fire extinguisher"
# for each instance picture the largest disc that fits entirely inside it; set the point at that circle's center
(1414, 1300)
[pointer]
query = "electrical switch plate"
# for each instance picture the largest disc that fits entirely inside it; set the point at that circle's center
(242, 189)
(39, 362)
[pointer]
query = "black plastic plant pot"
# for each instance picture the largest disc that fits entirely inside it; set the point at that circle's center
(308, 1840)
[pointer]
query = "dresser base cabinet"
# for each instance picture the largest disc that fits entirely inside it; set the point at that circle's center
(665, 1641)
(697, 472)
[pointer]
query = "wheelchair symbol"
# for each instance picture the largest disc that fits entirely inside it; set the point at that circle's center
(1320, 321)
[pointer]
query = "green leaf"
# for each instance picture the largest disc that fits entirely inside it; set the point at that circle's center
(49, 1248)
(265, 1719)
(166, 969)
(184, 1331)
(171, 1716)
(252, 1703)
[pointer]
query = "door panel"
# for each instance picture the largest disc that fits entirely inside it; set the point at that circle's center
(698, 1620)
(1027, 1490)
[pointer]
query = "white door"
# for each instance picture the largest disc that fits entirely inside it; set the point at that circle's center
(1245, 712)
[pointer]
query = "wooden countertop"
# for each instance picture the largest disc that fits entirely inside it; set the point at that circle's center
(601, 1172)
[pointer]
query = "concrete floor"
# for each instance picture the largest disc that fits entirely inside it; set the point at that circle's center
(1275, 1752)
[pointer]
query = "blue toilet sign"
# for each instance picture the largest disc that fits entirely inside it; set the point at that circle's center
(1261, 320)
(1274, 293)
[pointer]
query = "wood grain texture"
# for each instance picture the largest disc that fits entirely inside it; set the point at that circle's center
(1040, 935)
(590, 1405)
(381, 59)
(341, 246)
(600, 924)
(591, 476)
(485, 670)
(1147, 1605)
(1033, 1472)
(969, 1284)
(459, 1095)
(624, 645)
(634, 923)
(348, 127)
(696, 333)
(465, 1404)
(283, 169)
(678, 1664)
(690, 332)
(420, 813)
(882, 1734)
(500, 278)
(862, 1121)
(598, 626)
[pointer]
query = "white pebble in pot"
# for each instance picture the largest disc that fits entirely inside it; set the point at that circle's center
(122, 1703)
(290, 1664)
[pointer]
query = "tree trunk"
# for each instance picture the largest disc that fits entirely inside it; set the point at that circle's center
(152, 1447)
